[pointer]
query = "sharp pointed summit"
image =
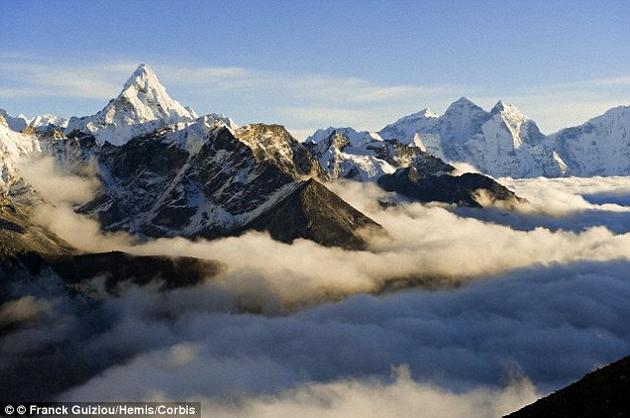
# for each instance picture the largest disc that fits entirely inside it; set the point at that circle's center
(507, 108)
(142, 106)
(149, 97)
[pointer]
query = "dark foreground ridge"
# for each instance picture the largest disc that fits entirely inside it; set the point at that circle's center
(604, 393)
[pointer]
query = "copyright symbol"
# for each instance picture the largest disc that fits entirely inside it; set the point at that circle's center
(21, 409)
(8, 409)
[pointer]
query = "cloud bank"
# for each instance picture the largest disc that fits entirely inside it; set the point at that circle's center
(428, 245)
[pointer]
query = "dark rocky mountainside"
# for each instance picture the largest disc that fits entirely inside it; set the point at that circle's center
(604, 393)
(463, 190)
(172, 183)
(313, 212)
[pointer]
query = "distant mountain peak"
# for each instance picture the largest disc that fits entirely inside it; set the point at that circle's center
(502, 107)
(462, 103)
(498, 107)
(141, 75)
(142, 106)
(149, 98)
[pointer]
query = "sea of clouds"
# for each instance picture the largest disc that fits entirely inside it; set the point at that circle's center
(452, 312)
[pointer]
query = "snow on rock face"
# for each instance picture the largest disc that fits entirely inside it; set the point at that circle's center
(356, 138)
(212, 182)
(17, 123)
(367, 160)
(141, 107)
(405, 128)
(507, 144)
(599, 147)
(461, 120)
(191, 136)
(275, 144)
(48, 119)
(13, 146)
(341, 157)
(502, 142)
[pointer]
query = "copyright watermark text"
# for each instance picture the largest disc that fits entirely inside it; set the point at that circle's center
(101, 409)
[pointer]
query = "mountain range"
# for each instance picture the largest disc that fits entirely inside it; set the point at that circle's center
(164, 171)
(505, 143)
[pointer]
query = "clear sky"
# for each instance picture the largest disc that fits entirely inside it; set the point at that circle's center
(309, 64)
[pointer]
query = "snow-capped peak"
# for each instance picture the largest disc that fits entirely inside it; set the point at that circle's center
(142, 106)
(149, 98)
(143, 99)
(521, 128)
(406, 128)
(462, 104)
(507, 109)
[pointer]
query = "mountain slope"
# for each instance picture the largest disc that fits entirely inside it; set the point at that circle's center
(600, 394)
(469, 189)
(403, 168)
(406, 128)
(14, 146)
(599, 147)
(313, 212)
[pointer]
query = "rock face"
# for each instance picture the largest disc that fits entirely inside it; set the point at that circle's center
(313, 212)
(469, 189)
(345, 153)
(406, 128)
(600, 394)
(404, 168)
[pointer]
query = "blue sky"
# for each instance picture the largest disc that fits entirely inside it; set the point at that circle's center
(320, 63)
